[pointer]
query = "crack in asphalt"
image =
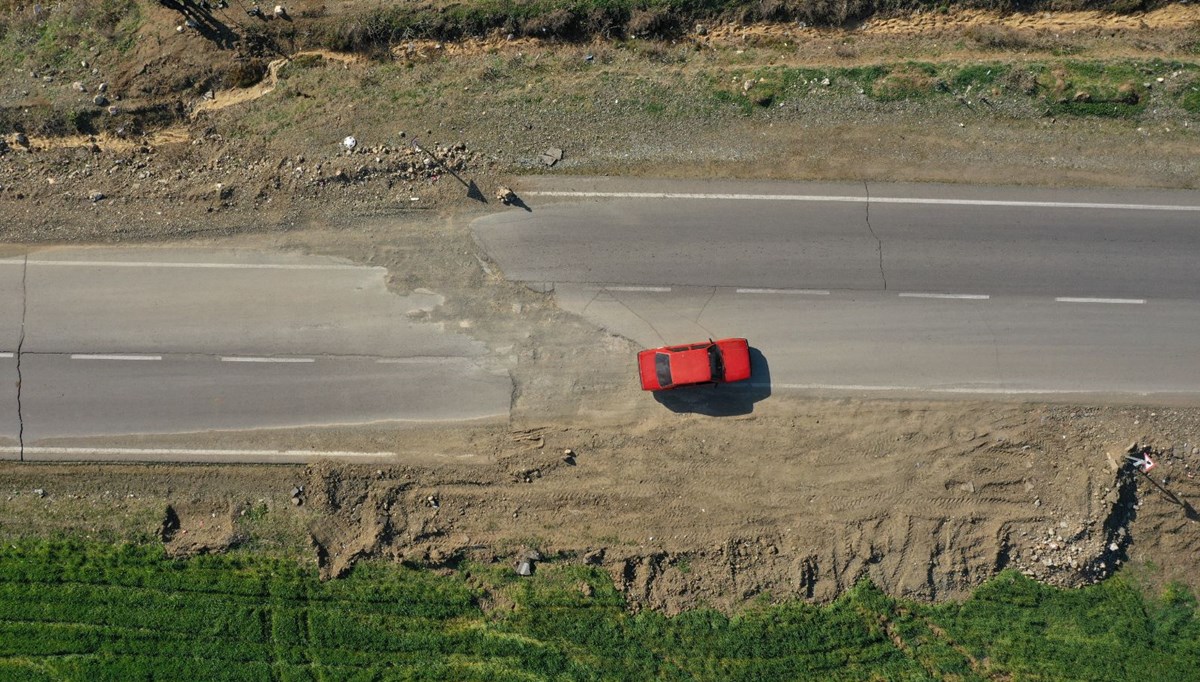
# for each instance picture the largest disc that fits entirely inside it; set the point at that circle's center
(700, 314)
(20, 345)
(878, 241)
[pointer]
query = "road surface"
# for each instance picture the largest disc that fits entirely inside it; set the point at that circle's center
(108, 342)
(864, 288)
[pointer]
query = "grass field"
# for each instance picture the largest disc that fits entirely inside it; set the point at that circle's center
(102, 612)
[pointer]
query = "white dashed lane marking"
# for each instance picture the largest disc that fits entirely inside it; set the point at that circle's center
(971, 297)
(659, 290)
(241, 358)
(797, 292)
(101, 356)
(1067, 299)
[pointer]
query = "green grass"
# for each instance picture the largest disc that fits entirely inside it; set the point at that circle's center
(63, 31)
(79, 611)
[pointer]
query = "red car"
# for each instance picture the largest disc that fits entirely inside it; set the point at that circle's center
(710, 362)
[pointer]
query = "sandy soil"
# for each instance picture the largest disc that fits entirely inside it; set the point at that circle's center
(803, 500)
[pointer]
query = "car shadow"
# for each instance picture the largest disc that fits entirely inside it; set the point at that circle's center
(723, 400)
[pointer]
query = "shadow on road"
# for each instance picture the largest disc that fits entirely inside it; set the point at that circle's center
(725, 400)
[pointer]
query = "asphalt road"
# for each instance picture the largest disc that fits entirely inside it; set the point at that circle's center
(901, 289)
(155, 341)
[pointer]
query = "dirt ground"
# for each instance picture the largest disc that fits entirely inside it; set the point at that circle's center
(801, 498)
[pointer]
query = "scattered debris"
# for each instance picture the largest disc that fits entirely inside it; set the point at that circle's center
(526, 560)
(552, 156)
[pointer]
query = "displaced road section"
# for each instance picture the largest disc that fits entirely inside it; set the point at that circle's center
(903, 289)
(137, 341)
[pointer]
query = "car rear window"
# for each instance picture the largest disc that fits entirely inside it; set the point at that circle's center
(662, 368)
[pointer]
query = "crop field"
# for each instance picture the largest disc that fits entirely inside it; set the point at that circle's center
(100, 612)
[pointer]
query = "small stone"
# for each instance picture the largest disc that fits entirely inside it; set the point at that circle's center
(78, 86)
(100, 101)
(95, 196)
(1112, 547)
(103, 87)
(39, 492)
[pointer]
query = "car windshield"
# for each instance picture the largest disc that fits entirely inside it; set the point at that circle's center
(716, 363)
(662, 368)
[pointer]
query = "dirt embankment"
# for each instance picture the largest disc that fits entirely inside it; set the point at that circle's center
(926, 499)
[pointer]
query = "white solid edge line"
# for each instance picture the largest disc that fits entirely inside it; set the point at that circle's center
(216, 266)
(860, 200)
(173, 451)
(807, 292)
(637, 288)
(418, 360)
(971, 297)
(241, 358)
(922, 389)
(1068, 299)
(101, 356)
(6, 355)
